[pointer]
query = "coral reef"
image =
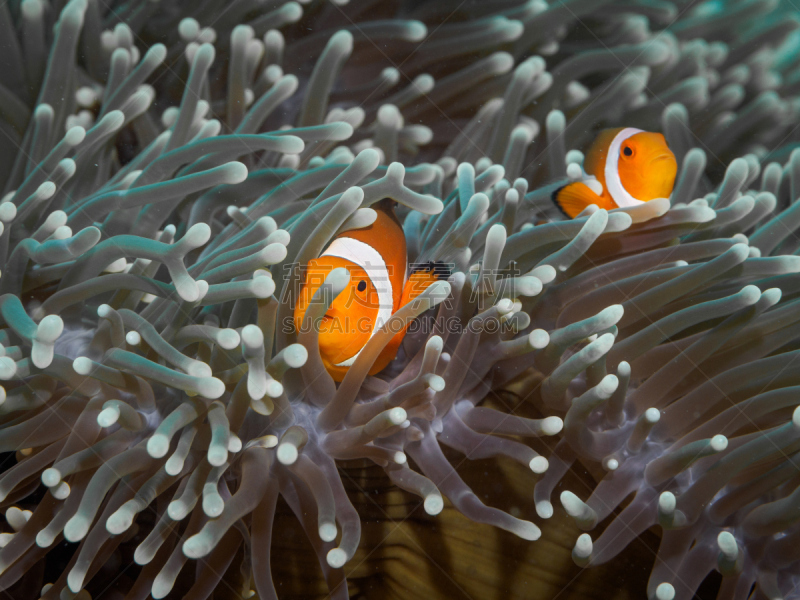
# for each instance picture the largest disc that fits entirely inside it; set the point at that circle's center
(169, 168)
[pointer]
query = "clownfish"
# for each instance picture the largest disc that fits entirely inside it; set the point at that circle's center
(633, 166)
(375, 257)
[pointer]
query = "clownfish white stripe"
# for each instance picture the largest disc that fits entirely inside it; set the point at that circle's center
(613, 183)
(369, 259)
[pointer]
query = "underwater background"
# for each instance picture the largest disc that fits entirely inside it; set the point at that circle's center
(603, 407)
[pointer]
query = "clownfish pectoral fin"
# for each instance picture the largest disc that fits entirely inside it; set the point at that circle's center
(421, 278)
(575, 197)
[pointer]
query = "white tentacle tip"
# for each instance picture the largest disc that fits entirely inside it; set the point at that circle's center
(727, 545)
(529, 531)
(719, 443)
(433, 504)
(252, 336)
(653, 415)
(8, 210)
(582, 551)
(82, 365)
(75, 580)
(327, 532)
(664, 591)
(44, 539)
(17, 517)
(76, 528)
(539, 339)
(287, 454)
(108, 416)
(336, 558)
(61, 491)
(544, 509)
(552, 425)
(119, 522)
(397, 415)
(539, 464)
(196, 546)
(157, 445)
(51, 477)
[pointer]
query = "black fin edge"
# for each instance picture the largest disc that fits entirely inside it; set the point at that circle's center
(440, 269)
(554, 196)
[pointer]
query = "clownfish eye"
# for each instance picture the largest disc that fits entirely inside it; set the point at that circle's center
(627, 151)
(362, 285)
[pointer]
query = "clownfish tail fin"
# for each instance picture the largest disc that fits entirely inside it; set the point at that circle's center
(572, 199)
(421, 277)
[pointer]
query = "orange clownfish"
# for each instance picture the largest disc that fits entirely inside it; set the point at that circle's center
(375, 257)
(633, 166)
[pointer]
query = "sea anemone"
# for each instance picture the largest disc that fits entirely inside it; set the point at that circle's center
(160, 203)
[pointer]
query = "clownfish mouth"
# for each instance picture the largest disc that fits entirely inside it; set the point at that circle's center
(661, 157)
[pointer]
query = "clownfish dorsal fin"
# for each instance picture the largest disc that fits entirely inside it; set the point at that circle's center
(572, 199)
(421, 278)
(595, 161)
(387, 206)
